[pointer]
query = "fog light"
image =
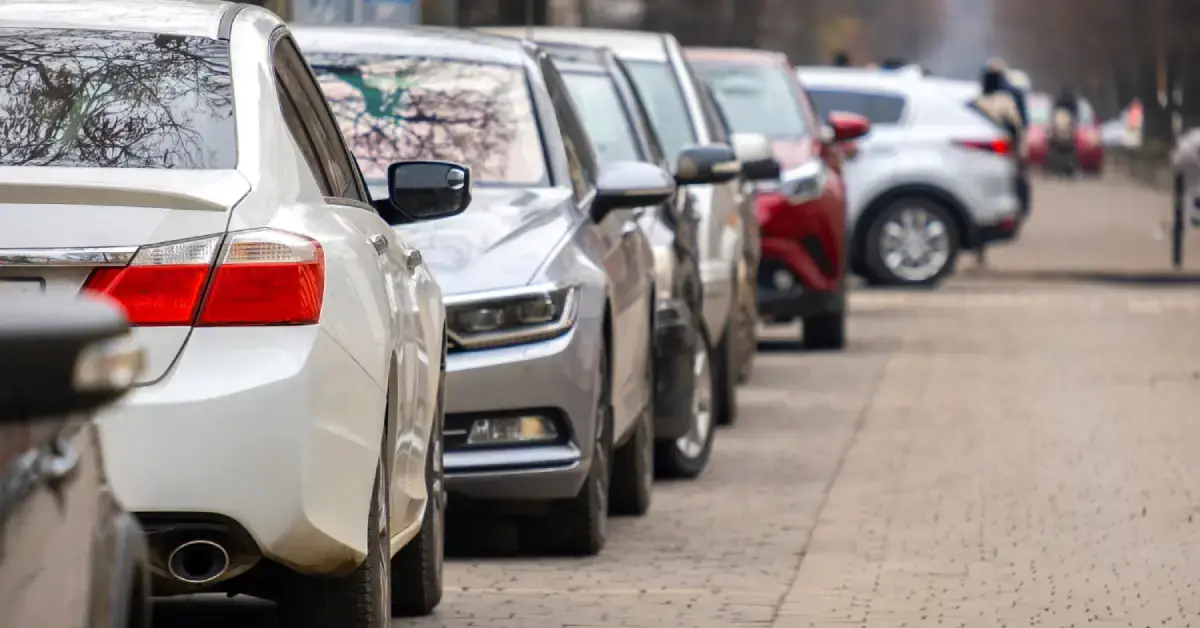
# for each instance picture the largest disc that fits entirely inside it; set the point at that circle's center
(512, 430)
(783, 280)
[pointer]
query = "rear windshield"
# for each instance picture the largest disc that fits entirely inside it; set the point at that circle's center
(604, 116)
(394, 108)
(1039, 107)
(877, 107)
(660, 92)
(108, 99)
(756, 99)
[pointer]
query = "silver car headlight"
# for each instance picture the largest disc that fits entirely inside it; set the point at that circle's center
(804, 183)
(664, 271)
(511, 317)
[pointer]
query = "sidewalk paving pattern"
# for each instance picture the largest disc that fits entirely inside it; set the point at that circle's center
(1015, 449)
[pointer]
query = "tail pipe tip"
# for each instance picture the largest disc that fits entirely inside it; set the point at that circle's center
(198, 562)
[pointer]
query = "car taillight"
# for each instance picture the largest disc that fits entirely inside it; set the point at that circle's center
(998, 146)
(263, 277)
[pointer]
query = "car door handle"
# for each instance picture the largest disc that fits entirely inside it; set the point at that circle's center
(380, 242)
(59, 461)
(413, 259)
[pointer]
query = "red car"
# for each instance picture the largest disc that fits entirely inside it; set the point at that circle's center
(1088, 148)
(803, 217)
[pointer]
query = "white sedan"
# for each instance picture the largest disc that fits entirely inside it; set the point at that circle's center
(284, 439)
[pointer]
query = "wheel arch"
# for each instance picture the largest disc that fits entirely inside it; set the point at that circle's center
(967, 235)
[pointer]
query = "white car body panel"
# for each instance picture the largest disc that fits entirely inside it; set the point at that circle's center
(278, 428)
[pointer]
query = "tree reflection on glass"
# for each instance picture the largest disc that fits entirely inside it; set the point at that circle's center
(394, 109)
(114, 100)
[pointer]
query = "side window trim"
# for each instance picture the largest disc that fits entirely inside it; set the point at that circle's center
(354, 182)
(307, 148)
(355, 174)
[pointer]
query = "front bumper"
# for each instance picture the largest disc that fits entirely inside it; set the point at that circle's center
(275, 428)
(554, 378)
(675, 343)
(782, 296)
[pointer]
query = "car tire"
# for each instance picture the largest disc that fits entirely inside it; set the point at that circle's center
(417, 569)
(878, 272)
(633, 470)
(676, 458)
(580, 524)
(359, 600)
(747, 326)
(724, 366)
(825, 331)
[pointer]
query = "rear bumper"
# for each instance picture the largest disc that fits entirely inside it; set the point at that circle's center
(274, 428)
(675, 346)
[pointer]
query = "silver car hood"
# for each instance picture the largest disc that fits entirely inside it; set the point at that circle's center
(500, 241)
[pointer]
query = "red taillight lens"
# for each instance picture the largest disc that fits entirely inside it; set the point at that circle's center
(999, 146)
(264, 277)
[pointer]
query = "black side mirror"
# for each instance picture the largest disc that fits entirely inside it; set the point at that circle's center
(710, 163)
(628, 185)
(62, 356)
(427, 190)
(762, 170)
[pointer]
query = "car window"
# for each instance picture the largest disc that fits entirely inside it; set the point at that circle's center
(107, 99)
(603, 115)
(877, 107)
(662, 95)
(1039, 106)
(394, 108)
(339, 170)
(718, 124)
(295, 125)
(757, 99)
(641, 117)
(580, 157)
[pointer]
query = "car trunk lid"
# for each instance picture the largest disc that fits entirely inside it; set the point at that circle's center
(57, 225)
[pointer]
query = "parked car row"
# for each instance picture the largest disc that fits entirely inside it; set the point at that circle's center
(373, 271)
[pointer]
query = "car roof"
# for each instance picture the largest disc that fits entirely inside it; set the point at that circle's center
(856, 78)
(411, 41)
(631, 44)
(194, 18)
(746, 56)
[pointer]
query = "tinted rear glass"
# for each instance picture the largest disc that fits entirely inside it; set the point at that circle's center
(398, 108)
(604, 116)
(876, 107)
(1039, 107)
(663, 98)
(107, 99)
(756, 99)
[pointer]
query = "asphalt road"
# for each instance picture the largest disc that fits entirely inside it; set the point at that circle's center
(1015, 448)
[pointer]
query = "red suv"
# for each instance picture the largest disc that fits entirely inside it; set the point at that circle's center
(802, 216)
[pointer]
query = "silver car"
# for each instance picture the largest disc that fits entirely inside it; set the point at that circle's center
(548, 279)
(684, 115)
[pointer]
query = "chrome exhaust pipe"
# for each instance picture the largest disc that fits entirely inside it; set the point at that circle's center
(198, 562)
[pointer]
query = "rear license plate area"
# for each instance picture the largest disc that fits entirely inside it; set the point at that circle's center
(21, 287)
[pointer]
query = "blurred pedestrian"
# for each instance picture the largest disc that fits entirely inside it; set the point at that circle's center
(1018, 94)
(998, 104)
(1062, 157)
(841, 59)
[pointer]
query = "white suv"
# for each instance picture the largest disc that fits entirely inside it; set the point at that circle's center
(932, 179)
(285, 438)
